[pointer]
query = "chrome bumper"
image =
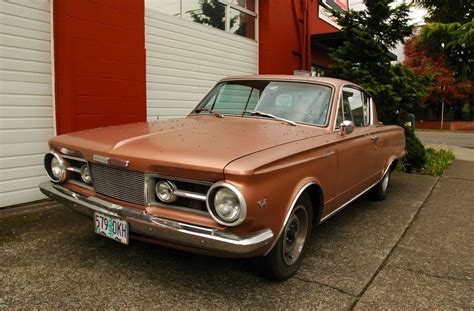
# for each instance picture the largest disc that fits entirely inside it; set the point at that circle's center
(167, 230)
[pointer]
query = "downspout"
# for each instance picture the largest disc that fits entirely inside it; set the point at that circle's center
(299, 34)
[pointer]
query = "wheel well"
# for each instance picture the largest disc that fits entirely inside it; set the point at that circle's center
(393, 165)
(317, 201)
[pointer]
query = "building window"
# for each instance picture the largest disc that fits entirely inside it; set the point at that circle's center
(234, 16)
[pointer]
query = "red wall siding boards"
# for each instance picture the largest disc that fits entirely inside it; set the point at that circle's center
(99, 48)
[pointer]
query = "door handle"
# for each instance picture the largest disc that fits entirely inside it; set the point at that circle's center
(374, 138)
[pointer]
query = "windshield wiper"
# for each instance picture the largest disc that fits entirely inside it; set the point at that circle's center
(256, 112)
(217, 114)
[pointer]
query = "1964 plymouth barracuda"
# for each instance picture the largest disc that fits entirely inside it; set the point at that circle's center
(249, 172)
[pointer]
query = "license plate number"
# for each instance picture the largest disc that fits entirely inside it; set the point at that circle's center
(110, 227)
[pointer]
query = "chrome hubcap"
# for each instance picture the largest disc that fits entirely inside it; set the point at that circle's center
(385, 181)
(295, 235)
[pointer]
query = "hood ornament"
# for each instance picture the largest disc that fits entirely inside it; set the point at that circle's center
(111, 161)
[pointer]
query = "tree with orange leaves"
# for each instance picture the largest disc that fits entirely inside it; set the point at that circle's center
(442, 86)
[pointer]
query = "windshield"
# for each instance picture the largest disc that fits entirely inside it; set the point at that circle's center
(295, 101)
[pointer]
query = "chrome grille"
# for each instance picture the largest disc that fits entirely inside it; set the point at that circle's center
(118, 184)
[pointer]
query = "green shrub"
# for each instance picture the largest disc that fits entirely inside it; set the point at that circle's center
(437, 161)
(416, 156)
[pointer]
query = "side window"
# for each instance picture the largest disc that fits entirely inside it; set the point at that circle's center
(355, 106)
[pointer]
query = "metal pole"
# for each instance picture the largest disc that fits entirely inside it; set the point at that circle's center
(442, 113)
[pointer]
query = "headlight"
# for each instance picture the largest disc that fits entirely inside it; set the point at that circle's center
(226, 204)
(55, 167)
(165, 191)
(86, 174)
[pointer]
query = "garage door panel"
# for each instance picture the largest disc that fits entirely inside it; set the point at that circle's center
(189, 60)
(18, 53)
(175, 88)
(24, 32)
(22, 183)
(28, 88)
(193, 67)
(26, 43)
(154, 18)
(170, 80)
(25, 66)
(20, 196)
(12, 136)
(22, 22)
(174, 72)
(225, 54)
(34, 11)
(190, 55)
(19, 161)
(196, 40)
(25, 100)
(26, 107)
(9, 75)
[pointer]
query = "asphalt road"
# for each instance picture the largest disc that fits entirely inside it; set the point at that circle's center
(460, 139)
(408, 251)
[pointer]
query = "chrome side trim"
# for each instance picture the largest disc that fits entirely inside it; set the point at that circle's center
(74, 158)
(201, 237)
(172, 178)
(288, 214)
(189, 195)
(73, 169)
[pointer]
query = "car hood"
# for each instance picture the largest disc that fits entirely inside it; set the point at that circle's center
(198, 143)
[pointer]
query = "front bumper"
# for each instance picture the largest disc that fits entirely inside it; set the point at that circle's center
(171, 231)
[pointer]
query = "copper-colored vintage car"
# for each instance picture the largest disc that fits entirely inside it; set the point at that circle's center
(249, 172)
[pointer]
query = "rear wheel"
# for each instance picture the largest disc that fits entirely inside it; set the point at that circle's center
(286, 256)
(379, 192)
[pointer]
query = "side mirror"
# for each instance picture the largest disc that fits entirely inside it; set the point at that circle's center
(347, 127)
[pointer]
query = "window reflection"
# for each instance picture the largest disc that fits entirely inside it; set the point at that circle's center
(206, 12)
(240, 18)
(242, 24)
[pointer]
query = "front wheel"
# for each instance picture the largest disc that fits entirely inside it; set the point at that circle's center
(286, 256)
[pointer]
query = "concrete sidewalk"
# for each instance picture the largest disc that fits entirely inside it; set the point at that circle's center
(410, 250)
(432, 266)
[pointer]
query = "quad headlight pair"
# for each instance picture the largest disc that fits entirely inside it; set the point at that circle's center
(57, 168)
(225, 202)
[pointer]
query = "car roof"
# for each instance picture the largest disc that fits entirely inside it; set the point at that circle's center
(333, 81)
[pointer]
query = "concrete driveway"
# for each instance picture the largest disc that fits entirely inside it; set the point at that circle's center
(408, 251)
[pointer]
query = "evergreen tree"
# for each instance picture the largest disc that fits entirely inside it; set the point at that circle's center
(364, 59)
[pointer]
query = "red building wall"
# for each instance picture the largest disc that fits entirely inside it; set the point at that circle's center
(281, 50)
(99, 48)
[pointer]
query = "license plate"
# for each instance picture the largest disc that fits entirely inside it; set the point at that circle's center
(110, 227)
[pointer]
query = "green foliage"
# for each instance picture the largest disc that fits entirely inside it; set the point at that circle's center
(453, 40)
(212, 13)
(448, 11)
(416, 156)
(437, 161)
(364, 58)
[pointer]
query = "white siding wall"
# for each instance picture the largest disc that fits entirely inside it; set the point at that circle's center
(185, 59)
(26, 111)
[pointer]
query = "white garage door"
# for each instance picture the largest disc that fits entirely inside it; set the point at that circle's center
(26, 111)
(184, 59)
